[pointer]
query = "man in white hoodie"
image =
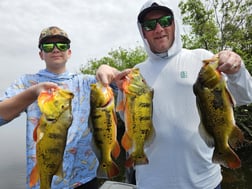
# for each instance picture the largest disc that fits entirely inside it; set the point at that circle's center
(178, 157)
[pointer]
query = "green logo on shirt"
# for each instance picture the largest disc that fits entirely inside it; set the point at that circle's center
(183, 74)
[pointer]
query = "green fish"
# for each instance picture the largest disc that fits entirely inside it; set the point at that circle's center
(104, 129)
(50, 136)
(137, 107)
(215, 106)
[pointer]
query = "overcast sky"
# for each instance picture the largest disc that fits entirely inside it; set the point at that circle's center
(94, 27)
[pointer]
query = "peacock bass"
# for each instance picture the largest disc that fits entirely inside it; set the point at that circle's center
(50, 135)
(104, 130)
(215, 107)
(136, 106)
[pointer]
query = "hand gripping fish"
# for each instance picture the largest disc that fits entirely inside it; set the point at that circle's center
(50, 135)
(215, 107)
(104, 128)
(137, 108)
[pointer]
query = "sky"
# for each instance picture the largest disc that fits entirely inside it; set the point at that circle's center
(95, 28)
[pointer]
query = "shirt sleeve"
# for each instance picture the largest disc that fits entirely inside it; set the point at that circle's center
(2, 121)
(240, 86)
(14, 89)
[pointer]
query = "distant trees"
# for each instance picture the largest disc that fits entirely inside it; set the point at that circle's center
(219, 24)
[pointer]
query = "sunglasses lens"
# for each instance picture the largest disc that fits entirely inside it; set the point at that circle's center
(165, 21)
(149, 25)
(62, 46)
(47, 47)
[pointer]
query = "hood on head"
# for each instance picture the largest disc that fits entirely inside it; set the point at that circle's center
(167, 5)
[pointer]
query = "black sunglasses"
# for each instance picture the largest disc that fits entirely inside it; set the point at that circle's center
(48, 47)
(164, 21)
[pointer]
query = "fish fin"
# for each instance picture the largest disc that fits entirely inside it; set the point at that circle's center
(114, 116)
(120, 106)
(34, 176)
(209, 140)
(39, 130)
(136, 159)
(116, 150)
(59, 172)
(35, 134)
(227, 158)
(90, 124)
(230, 96)
(236, 138)
(126, 141)
(107, 170)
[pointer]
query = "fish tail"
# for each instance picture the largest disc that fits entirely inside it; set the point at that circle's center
(34, 177)
(236, 138)
(228, 158)
(107, 170)
(135, 159)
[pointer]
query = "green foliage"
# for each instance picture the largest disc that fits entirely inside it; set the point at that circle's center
(219, 24)
(244, 119)
(120, 59)
(204, 32)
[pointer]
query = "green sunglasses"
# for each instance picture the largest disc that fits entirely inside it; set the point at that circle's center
(164, 21)
(48, 47)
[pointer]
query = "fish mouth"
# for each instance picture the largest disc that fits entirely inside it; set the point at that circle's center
(106, 104)
(51, 119)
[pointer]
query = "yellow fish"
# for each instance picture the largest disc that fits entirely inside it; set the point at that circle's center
(104, 129)
(137, 107)
(215, 106)
(50, 135)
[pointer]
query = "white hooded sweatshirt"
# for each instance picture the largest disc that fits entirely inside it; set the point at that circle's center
(178, 157)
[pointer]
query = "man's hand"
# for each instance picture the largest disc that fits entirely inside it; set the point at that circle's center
(44, 86)
(229, 62)
(107, 74)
